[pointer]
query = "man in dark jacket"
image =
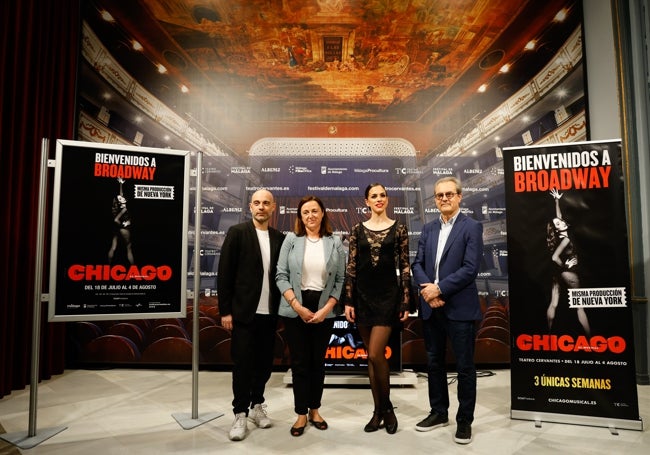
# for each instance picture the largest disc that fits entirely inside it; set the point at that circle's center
(450, 251)
(248, 304)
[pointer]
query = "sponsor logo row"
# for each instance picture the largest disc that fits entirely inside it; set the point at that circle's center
(284, 210)
(334, 170)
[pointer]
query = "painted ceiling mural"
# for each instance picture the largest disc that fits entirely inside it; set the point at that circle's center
(362, 68)
(269, 89)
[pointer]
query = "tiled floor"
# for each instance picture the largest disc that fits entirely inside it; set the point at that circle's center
(121, 411)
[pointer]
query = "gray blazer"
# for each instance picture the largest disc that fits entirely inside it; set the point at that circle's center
(289, 271)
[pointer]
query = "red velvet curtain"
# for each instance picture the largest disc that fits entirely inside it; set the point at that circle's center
(38, 60)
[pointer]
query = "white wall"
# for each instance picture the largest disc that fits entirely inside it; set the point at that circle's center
(602, 83)
(605, 123)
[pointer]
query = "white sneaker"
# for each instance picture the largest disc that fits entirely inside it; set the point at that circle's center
(239, 427)
(259, 417)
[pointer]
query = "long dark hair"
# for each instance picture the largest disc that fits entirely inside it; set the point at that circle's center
(552, 234)
(299, 226)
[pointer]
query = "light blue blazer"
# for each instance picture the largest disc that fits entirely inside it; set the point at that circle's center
(289, 271)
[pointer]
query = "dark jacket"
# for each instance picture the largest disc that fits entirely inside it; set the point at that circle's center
(459, 266)
(239, 282)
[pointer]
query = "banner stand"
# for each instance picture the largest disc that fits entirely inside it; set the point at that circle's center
(185, 420)
(571, 325)
(612, 424)
(31, 438)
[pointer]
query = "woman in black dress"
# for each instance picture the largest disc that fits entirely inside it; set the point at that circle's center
(377, 291)
(121, 226)
(565, 261)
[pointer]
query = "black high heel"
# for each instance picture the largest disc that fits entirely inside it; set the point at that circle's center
(374, 424)
(390, 420)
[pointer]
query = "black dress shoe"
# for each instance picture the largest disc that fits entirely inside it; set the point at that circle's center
(297, 431)
(374, 424)
(390, 420)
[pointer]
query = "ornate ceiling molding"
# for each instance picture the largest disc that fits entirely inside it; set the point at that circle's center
(330, 147)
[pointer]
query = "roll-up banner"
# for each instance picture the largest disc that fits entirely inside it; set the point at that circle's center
(572, 357)
(119, 243)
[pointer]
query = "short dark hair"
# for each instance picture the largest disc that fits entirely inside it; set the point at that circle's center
(299, 226)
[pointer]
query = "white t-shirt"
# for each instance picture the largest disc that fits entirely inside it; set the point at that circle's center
(313, 266)
(265, 249)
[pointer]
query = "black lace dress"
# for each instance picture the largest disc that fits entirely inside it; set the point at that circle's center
(373, 286)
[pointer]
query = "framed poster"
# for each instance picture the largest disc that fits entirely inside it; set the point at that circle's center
(119, 224)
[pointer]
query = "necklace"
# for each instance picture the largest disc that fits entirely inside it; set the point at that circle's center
(313, 241)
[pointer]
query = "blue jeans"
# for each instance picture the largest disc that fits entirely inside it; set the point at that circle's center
(461, 334)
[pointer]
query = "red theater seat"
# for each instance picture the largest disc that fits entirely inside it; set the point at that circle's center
(414, 353)
(496, 333)
(111, 349)
(489, 350)
(408, 335)
(483, 303)
(171, 350)
(168, 330)
(211, 335)
(166, 321)
(144, 324)
(496, 310)
(83, 332)
(497, 321)
(204, 321)
(211, 310)
(220, 353)
(415, 325)
(130, 331)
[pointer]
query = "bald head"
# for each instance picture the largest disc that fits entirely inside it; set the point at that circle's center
(262, 206)
(262, 194)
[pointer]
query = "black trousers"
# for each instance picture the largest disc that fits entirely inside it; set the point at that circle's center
(252, 355)
(307, 347)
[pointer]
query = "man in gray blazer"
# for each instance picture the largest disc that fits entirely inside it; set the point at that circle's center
(248, 304)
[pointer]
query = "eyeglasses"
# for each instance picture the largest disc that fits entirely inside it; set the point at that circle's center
(448, 195)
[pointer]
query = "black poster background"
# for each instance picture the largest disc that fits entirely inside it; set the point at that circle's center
(84, 228)
(346, 352)
(564, 380)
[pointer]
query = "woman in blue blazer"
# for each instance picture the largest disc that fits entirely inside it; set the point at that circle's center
(310, 275)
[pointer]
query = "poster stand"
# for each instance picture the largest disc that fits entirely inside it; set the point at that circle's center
(32, 437)
(572, 356)
(612, 424)
(193, 420)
